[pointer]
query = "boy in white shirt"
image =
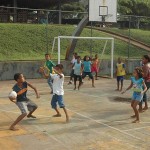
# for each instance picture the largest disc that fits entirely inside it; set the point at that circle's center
(58, 91)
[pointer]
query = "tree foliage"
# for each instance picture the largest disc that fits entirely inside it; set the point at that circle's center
(134, 7)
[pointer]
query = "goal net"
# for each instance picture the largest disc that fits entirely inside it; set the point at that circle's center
(103, 46)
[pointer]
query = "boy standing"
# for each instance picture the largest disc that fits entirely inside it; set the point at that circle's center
(120, 73)
(49, 66)
(58, 91)
(78, 68)
(22, 101)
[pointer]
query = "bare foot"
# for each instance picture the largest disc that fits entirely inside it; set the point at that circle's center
(133, 116)
(13, 129)
(74, 89)
(116, 89)
(57, 115)
(136, 121)
(145, 108)
(93, 86)
(78, 87)
(141, 110)
(30, 116)
(67, 119)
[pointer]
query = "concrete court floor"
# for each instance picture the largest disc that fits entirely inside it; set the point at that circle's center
(99, 120)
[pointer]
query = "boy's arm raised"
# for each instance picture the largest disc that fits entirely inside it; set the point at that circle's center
(34, 88)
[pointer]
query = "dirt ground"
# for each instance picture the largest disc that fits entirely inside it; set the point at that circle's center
(99, 120)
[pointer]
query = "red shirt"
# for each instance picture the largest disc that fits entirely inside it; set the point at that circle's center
(146, 72)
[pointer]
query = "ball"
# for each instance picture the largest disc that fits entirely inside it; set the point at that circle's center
(12, 94)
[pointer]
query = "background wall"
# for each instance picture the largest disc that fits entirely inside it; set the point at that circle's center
(30, 68)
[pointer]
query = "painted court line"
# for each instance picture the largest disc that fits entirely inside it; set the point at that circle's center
(136, 128)
(54, 138)
(99, 122)
(117, 139)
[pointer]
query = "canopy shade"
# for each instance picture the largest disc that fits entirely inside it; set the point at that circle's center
(33, 3)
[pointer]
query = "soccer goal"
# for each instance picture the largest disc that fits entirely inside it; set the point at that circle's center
(103, 46)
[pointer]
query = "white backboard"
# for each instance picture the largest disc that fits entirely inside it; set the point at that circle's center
(103, 10)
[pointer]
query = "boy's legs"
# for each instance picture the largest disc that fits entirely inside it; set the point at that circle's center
(145, 96)
(121, 85)
(50, 83)
(75, 80)
(23, 108)
(80, 82)
(71, 76)
(91, 77)
(134, 106)
(118, 80)
(31, 107)
(67, 117)
(54, 105)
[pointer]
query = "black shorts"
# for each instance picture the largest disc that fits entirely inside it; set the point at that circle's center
(77, 77)
(87, 74)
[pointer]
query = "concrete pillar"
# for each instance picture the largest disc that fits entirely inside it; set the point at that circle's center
(77, 32)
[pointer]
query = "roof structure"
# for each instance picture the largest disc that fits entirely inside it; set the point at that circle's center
(37, 4)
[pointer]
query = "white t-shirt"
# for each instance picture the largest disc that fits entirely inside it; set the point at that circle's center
(57, 84)
(73, 61)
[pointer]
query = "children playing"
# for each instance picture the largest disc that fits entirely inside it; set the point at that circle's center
(58, 91)
(95, 66)
(139, 88)
(49, 66)
(78, 67)
(22, 101)
(146, 76)
(87, 69)
(120, 73)
(74, 59)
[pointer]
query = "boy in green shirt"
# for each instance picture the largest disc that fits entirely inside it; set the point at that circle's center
(49, 66)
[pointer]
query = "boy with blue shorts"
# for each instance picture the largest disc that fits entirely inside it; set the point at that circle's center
(137, 84)
(58, 91)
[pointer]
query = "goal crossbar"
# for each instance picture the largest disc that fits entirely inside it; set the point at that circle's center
(89, 38)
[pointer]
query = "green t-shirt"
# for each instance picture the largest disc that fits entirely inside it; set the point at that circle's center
(49, 65)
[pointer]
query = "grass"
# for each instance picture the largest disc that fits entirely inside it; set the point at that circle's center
(138, 34)
(30, 42)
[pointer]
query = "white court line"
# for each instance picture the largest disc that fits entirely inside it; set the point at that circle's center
(136, 128)
(99, 122)
(41, 129)
(116, 139)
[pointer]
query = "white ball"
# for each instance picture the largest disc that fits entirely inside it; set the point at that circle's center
(12, 94)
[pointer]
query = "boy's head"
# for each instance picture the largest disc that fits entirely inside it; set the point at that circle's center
(145, 59)
(138, 72)
(47, 56)
(59, 67)
(119, 59)
(19, 77)
(78, 58)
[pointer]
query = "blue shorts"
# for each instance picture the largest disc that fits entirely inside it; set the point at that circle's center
(137, 96)
(57, 98)
(120, 78)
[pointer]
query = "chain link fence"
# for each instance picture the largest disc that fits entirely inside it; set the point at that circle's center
(42, 32)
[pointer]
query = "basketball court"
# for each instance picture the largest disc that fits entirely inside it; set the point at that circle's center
(99, 120)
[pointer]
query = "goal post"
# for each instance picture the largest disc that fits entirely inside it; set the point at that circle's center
(89, 38)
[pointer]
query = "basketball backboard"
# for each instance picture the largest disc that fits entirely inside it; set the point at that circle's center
(103, 10)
